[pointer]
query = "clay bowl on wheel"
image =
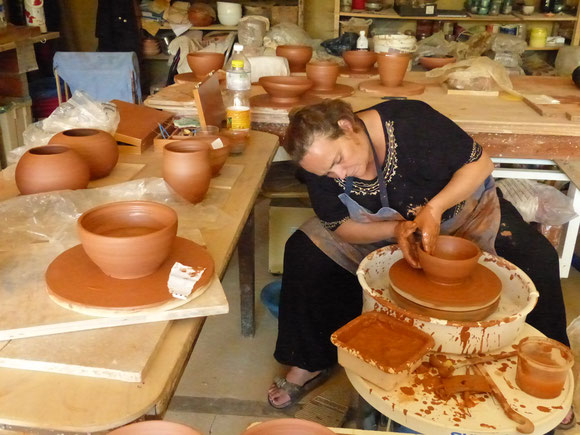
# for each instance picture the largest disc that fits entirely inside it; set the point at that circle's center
(155, 427)
(202, 63)
(288, 426)
(359, 61)
(452, 260)
(323, 74)
(285, 90)
(128, 239)
(432, 62)
(297, 55)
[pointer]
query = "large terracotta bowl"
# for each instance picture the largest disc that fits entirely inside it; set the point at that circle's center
(155, 427)
(323, 74)
(430, 62)
(451, 262)
(128, 239)
(359, 61)
(202, 63)
(285, 90)
(288, 426)
(297, 55)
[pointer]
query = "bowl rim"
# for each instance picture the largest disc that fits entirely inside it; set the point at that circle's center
(448, 237)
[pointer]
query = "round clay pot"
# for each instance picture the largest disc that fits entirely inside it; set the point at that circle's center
(202, 63)
(155, 427)
(430, 62)
(150, 47)
(97, 147)
(288, 426)
(201, 15)
(392, 68)
(323, 75)
(359, 61)
(186, 168)
(452, 260)
(285, 90)
(51, 167)
(297, 55)
(128, 239)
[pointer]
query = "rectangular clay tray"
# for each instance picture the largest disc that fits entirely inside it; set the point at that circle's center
(380, 348)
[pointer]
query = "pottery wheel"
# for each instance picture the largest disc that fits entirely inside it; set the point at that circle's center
(186, 78)
(264, 100)
(404, 89)
(337, 92)
(75, 282)
(480, 290)
(346, 72)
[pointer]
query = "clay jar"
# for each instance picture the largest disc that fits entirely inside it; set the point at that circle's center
(128, 239)
(285, 90)
(392, 68)
(323, 75)
(98, 148)
(288, 426)
(155, 427)
(359, 61)
(186, 168)
(429, 62)
(217, 156)
(51, 167)
(202, 63)
(201, 14)
(451, 262)
(297, 55)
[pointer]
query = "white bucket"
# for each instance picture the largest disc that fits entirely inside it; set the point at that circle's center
(398, 43)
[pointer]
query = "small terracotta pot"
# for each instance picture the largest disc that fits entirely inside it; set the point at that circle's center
(323, 75)
(186, 168)
(359, 61)
(297, 55)
(217, 157)
(128, 239)
(392, 68)
(201, 15)
(451, 262)
(430, 63)
(202, 63)
(288, 426)
(155, 427)
(285, 90)
(51, 167)
(97, 147)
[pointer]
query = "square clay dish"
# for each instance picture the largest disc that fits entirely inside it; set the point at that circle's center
(380, 348)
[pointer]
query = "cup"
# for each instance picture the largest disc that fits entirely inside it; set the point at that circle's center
(528, 9)
(543, 366)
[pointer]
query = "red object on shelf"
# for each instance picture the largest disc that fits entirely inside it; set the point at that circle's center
(358, 4)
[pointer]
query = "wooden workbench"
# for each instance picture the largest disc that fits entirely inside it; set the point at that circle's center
(53, 402)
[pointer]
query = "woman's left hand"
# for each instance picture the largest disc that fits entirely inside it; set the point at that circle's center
(428, 221)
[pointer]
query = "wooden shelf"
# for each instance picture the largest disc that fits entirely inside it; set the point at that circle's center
(212, 27)
(556, 47)
(43, 37)
(160, 56)
(537, 16)
(391, 14)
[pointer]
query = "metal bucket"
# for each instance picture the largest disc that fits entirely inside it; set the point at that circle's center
(518, 298)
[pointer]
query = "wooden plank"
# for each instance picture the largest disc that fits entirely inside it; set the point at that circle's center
(227, 177)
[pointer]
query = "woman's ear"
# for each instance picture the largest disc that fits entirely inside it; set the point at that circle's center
(345, 125)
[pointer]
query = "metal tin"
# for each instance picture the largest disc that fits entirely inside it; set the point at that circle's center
(492, 28)
(510, 29)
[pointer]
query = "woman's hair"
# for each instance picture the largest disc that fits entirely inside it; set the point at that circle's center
(316, 120)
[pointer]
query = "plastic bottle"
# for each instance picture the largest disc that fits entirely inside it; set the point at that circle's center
(237, 100)
(362, 43)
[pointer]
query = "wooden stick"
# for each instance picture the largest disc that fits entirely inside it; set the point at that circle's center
(446, 369)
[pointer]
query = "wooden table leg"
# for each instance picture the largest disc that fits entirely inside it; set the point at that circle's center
(246, 249)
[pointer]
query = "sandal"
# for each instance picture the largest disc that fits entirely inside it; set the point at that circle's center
(295, 391)
(571, 421)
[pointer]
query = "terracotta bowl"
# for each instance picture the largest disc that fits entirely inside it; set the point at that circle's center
(452, 260)
(359, 61)
(202, 63)
(155, 427)
(288, 426)
(128, 239)
(297, 55)
(323, 74)
(285, 90)
(217, 156)
(430, 62)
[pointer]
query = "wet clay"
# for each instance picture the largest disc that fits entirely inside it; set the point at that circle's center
(338, 91)
(297, 55)
(403, 90)
(390, 344)
(482, 289)
(73, 278)
(345, 71)
(288, 426)
(360, 61)
(285, 90)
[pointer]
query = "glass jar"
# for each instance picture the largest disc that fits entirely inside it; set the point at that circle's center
(538, 36)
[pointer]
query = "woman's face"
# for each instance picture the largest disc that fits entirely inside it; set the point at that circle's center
(347, 156)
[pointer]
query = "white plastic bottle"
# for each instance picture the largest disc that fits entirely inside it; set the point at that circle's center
(362, 43)
(237, 100)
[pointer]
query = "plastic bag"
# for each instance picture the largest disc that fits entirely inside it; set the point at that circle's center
(345, 42)
(435, 45)
(567, 60)
(80, 111)
(252, 29)
(538, 202)
(504, 43)
(286, 34)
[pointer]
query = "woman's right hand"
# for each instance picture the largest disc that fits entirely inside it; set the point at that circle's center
(404, 232)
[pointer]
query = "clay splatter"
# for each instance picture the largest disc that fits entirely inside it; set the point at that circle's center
(543, 409)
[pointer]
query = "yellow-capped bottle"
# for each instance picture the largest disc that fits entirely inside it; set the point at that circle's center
(237, 100)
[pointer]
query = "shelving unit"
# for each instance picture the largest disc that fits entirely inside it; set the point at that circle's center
(212, 27)
(516, 17)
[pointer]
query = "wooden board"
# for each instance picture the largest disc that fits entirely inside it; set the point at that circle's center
(89, 353)
(209, 102)
(227, 177)
(568, 110)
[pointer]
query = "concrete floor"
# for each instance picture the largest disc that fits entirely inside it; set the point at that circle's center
(224, 386)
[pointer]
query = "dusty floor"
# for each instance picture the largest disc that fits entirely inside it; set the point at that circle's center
(224, 386)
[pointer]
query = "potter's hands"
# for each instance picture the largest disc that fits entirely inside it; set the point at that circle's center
(404, 232)
(428, 221)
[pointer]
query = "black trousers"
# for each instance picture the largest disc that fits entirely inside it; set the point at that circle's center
(318, 296)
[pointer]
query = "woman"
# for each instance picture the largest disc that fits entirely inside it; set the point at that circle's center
(374, 178)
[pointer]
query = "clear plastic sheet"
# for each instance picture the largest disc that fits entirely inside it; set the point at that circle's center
(35, 229)
(286, 34)
(435, 45)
